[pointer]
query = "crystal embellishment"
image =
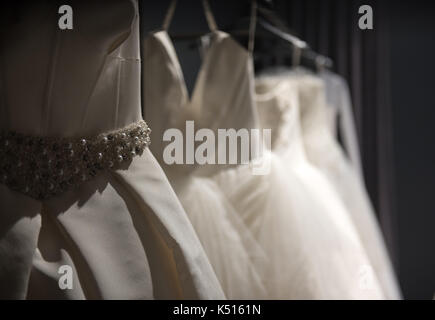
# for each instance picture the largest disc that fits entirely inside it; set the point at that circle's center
(43, 167)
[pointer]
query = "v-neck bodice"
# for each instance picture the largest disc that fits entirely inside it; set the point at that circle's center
(223, 95)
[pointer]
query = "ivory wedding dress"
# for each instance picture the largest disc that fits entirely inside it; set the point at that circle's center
(324, 152)
(222, 83)
(115, 223)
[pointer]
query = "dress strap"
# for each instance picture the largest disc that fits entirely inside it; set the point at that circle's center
(211, 22)
(209, 15)
(252, 26)
(169, 15)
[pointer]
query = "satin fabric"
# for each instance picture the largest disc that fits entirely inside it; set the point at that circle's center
(124, 233)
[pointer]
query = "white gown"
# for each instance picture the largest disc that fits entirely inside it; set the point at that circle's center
(229, 245)
(313, 248)
(123, 233)
(324, 152)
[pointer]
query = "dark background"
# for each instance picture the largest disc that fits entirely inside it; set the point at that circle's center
(413, 99)
(390, 70)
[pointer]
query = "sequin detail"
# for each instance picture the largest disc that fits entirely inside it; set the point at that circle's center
(43, 167)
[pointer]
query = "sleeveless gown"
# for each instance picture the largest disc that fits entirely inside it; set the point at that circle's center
(313, 249)
(123, 233)
(325, 153)
(232, 250)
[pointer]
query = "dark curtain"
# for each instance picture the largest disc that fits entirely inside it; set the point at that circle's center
(362, 57)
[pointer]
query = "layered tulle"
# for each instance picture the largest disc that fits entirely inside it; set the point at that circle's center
(312, 247)
(228, 243)
(325, 153)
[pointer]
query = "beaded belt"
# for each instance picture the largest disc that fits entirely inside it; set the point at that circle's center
(42, 167)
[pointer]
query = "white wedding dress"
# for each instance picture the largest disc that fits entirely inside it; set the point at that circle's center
(229, 245)
(324, 152)
(313, 248)
(123, 233)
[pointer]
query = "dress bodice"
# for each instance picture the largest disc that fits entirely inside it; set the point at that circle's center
(278, 109)
(223, 95)
(75, 82)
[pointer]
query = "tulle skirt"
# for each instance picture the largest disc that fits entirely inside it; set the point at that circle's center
(313, 249)
(228, 243)
(327, 156)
